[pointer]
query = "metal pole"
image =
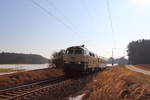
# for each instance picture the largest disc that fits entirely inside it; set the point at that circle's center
(112, 57)
(124, 52)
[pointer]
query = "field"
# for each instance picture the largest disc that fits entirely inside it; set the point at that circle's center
(119, 83)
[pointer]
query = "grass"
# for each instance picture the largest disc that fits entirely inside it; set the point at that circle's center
(28, 77)
(7, 70)
(144, 66)
(119, 83)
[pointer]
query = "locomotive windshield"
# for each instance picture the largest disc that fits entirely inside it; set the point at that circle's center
(78, 51)
(74, 51)
(69, 51)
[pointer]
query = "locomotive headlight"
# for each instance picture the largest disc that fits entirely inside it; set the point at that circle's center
(78, 62)
(66, 62)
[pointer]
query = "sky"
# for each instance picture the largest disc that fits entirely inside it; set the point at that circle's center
(26, 28)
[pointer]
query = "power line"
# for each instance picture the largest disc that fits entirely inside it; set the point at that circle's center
(56, 18)
(111, 22)
(59, 11)
(112, 29)
(87, 10)
(50, 14)
(89, 15)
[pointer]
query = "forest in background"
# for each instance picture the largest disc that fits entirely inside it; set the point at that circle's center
(15, 58)
(139, 52)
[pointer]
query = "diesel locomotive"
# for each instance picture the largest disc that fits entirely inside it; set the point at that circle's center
(79, 60)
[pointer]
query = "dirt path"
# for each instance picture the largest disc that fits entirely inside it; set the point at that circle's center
(131, 67)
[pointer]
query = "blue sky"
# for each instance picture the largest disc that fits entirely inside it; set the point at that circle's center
(25, 28)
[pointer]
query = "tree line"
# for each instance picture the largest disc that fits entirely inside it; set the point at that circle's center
(139, 52)
(15, 58)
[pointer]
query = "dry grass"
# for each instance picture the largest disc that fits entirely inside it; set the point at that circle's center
(28, 76)
(119, 83)
(144, 66)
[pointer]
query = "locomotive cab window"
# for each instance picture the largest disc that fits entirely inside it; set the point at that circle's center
(78, 51)
(69, 52)
(90, 54)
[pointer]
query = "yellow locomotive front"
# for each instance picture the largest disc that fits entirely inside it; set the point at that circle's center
(74, 60)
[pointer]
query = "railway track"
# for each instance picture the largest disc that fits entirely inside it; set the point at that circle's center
(36, 90)
(31, 91)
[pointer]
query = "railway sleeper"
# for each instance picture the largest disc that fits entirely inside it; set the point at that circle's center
(36, 95)
(16, 92)
(31, 97)
(4, 96)
(9, 94)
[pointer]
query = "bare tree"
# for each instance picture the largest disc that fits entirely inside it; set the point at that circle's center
(57, 58)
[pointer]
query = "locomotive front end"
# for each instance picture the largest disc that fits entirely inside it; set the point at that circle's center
(74, 60)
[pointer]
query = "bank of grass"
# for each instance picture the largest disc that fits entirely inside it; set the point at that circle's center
(2, 70)
(119, 83)
(144, 66)
(25, 77)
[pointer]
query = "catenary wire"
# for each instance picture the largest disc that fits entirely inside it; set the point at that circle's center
(50, 14)
(111, 22)
(60, 12)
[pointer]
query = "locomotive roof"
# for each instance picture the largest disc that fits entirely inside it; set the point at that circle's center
(83, 48)
(78, 47)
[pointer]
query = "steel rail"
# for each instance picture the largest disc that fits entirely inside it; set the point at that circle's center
(14, 92)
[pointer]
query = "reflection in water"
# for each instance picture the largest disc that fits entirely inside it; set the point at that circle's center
(25, 66)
